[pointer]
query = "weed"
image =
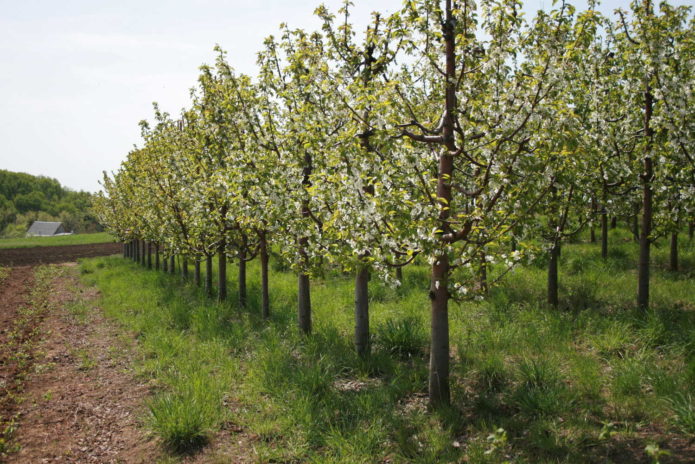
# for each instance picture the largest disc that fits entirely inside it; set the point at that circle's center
(404, 338)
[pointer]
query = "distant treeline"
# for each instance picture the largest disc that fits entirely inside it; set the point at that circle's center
(25, 198)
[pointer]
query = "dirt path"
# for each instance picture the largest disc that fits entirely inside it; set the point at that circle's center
(82, 402)
(56, 254)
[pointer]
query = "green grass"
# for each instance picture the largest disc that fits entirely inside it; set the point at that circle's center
(590, 382)
(76, 239)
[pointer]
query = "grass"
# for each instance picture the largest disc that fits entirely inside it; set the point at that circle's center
(595, 381)
(75, 239)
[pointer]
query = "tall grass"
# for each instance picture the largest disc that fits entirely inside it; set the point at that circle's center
(531, 384)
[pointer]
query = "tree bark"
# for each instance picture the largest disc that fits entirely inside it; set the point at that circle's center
(222, 271)
(172, 264)
(196, 271)
(604, 233)
(304, 303)
(362, 311)
(483, 273)
(208, 275)
(399, 274)
(149, 255)
(156, 256)
(242, 279)
(553, 299)
(594, 208)
(673, 262)
(165, 265)
(439, 349)
(265, 297)
(635, 224)
(184, 268)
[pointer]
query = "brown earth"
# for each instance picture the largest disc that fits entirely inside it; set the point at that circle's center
(80, 401)
(56, 254)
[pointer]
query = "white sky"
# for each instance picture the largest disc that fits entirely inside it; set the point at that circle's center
(76, 76)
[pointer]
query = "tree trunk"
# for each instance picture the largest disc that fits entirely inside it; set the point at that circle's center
(196, 271)
(673, 262)
(222, 271)
(635, 224)
(265, 297)
(184, 268)
(165, 265)
(614, 222)
(592, 233)
(691, 230)
(242, 279)
(172, 264)
(304, 303)
(553, 299)
(149, 255)
(439, 347)
(399, 274)
(483, 273)
(646, 178)
(604, 233)
(156, 256)
(362, 311)
(208, 275)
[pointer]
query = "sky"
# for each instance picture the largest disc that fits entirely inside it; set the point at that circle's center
(78, 75)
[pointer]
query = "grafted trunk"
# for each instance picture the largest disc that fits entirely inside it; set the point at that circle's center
(362, 311)
(208, 275)
(242, 279)
(222, 271)
(304, 303)
(553, 299)
(673, 262)
(196, 271)
(265, 296)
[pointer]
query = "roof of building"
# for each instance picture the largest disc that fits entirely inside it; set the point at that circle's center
(45, 228)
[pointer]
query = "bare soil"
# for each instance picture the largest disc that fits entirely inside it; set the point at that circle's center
(81, 402)
(56, 254)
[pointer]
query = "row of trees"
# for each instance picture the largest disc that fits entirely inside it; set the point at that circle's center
(460, 134)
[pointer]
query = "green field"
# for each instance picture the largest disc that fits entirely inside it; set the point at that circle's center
(594, 381)
(76, 239)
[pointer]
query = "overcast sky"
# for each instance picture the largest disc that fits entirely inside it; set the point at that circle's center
(78, 75)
